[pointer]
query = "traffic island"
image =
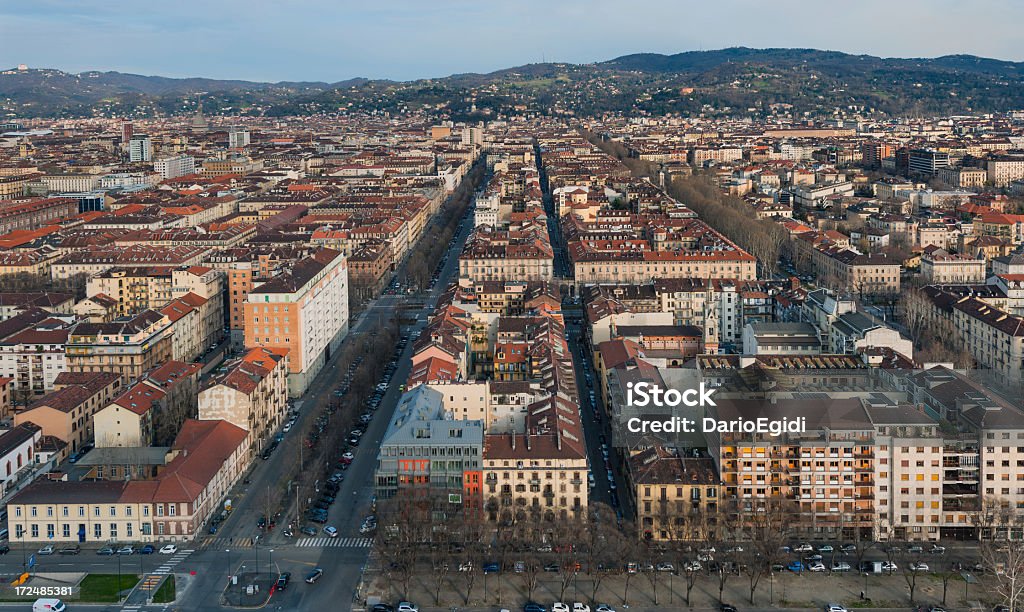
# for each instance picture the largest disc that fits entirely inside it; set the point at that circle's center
(248, 590)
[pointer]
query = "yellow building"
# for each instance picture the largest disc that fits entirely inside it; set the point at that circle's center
(671, 493)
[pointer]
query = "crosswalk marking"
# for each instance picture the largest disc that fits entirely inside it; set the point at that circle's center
(335, 542)
(225, 543)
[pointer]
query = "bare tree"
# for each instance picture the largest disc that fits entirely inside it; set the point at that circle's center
(765, 531)
(1004, 557)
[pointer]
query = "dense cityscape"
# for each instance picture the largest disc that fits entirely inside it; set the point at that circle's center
(385, 355)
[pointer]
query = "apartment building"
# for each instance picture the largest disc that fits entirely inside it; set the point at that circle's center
(128, 346)
(34, 353)
(671, 491)
(174, 166)
(135, 289)
(939, 267)
(428, 451)
(35, 213)
(825, 475)
(994, 338)
(304, 312)
(1004, 169)
(147, 412)
(910, 474)
(251, 394)
(499, 255)
(67, 413)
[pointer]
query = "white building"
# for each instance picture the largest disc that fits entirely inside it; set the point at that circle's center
(173, 167)
(140, 148)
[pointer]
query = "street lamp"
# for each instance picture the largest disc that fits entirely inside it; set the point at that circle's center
(118, 553)
(227, 566)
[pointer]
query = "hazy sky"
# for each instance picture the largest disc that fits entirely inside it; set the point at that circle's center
(330, 40)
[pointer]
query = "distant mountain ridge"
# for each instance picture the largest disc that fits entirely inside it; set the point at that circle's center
(724, 81)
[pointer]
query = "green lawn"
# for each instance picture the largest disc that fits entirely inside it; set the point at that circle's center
(166, 593)
(104, 587)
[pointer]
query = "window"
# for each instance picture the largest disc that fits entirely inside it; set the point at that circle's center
(50, 531)
(171, 508)
(113, 531)
(35, 530)
(97, 531)
(66, 531)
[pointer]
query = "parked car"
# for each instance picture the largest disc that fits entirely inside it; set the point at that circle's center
(126, 550)
(666, 567)
(148, 549)
(919, 567)
(796, 567)
(817, 566)
(491, 568)
(46, 550)
(106, 550)
(309, 530)
(73, 549)
(406, 606)
(841, 567)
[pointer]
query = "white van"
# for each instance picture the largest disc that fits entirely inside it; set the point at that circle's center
(48, 605)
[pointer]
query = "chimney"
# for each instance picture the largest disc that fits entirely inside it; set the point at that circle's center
(513, 441)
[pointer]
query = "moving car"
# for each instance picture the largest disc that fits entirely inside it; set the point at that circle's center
(331, 531)
(314, 575)
(169, 549)
(282, 580)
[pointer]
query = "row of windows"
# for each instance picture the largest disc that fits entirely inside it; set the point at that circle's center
(113, 532)
(33, 511)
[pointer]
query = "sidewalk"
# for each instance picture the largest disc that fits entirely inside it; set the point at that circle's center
(661, 591)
